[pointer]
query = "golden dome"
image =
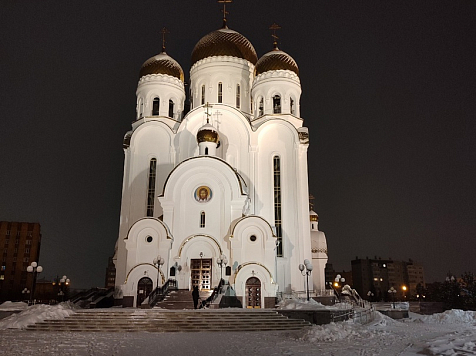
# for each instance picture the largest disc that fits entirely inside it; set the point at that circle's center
(162, 64)
(313, 216)
(207, 133)
(276, 60)
(224, 42)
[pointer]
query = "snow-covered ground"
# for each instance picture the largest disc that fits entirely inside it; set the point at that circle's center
(449, 333)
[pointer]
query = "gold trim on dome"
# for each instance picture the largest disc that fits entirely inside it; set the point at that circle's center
(224, 42)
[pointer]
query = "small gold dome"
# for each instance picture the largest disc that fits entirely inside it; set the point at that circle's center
(276, 60)
(224, 42)
(162, 64)
(207, 133)
(313, 216)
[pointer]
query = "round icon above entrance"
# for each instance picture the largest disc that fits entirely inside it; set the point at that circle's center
(203, 194)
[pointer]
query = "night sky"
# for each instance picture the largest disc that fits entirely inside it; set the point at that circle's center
(389, 92)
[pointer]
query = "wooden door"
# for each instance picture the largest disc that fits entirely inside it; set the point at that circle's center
(201, 270)
(144, 287)
(253, 293)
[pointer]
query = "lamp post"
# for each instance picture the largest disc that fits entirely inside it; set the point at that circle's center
(392, 291)
(308, 269)
(370, 295)
(222, 261)
(63, 283)
(404, 289)
(35, 269)
(24, 292)
(158, 261)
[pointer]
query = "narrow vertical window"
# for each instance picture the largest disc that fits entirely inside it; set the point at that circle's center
(206, 151)
(261, 107)
(203, 94)
(171, 108)
(291, 106)
(238, 101)
(251, 104)
(141, 109)
(220, 92)
(202, 219)
(155, 106)
(276, 104)
(151, 187)
(277, 204)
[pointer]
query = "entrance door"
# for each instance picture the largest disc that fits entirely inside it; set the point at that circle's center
(253, 293)
(201, 273)
(144, 287)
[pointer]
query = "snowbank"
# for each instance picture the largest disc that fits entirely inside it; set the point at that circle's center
(10, 306)
(294, 303)
(454, 316)
(35, 314)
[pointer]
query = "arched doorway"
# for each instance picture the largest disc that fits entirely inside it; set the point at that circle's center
(253, 293)
(144, 287)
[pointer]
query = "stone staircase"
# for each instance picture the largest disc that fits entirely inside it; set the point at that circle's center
(156, 320)
(180, 299)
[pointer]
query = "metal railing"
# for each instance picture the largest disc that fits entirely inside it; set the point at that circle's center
(216, 291)
(159, 294)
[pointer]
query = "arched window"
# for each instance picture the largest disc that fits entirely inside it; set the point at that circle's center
(171, 108)
(261, 107)
(155, 106)
(141, 109)
(276, 104)
(292, 109)
(251, 104)
(202, 219)
(238, 101)
(220, 92)
(151, 187)
(206, 151)
(277, 204)
(203, 94)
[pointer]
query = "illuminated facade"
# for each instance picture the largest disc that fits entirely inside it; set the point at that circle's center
(228, 179)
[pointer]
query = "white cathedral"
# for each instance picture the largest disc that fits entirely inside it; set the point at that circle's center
(223, 190)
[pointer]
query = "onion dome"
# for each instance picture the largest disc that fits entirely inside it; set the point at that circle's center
(224, 42)
(162, 64)
(313, 216)
(207, 133)
(276, 60)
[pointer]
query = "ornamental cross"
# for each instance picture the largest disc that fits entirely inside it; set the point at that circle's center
(208, 106)
(164, 32)
(224, 2)
(274, 27)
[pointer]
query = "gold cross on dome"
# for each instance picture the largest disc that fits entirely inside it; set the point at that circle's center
(208, 106)
(164, 32)
(274, 27)
(224, 2)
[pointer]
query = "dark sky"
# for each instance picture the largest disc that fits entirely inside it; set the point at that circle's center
(389, 92)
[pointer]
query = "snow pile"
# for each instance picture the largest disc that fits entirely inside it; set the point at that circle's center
(452, 347)
(454, 316)
(35, 314)
(336, 331)
(10, 306)
(294, 303)
(382, 321)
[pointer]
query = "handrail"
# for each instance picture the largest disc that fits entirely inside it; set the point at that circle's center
(214, 295)
(158, 294)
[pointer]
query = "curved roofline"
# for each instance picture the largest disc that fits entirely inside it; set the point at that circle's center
(251, 216)
(238, 176)
(169, 235)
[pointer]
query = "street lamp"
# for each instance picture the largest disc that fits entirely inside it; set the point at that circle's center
(370, 295)
(63, 283)
(308, 266)
(392, 291)
(404, 289)
(158, 261)
(25, 291)
(35, 269)
(222, 261)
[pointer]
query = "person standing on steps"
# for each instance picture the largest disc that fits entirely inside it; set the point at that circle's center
(195, 296)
